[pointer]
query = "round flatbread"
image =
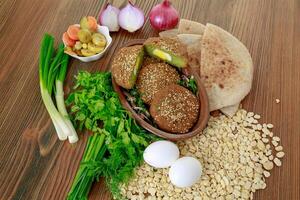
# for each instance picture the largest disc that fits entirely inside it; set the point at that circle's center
(169, 33)
(229, 111)
(226, 67)
(189, 39)
(190, 27)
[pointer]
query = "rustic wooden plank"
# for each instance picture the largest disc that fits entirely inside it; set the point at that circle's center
(35, 165)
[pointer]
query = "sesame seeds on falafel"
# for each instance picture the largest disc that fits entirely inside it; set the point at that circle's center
(154, 77)
(123, 65)
(175, 109)
(168, 44)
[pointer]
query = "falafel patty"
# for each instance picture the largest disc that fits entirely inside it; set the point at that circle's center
(153, 77)
(150, 60)
(169, 44)
(175, 109)
(169, 50)
(126, 64)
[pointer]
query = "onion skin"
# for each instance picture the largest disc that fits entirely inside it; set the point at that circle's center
(163, 16)
(131, 18)
(109, 17)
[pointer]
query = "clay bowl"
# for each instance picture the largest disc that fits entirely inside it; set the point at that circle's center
(203, 112)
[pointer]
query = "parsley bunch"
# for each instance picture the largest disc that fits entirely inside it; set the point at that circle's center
(116, 146)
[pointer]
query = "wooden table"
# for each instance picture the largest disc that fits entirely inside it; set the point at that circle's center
(34, 164)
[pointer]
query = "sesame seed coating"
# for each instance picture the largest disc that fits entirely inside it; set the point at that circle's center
(123, 65)
(175, 109)
(168, 44)
(154, 77)
(150, 60)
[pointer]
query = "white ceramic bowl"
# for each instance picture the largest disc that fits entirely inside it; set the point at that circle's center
(101, 29)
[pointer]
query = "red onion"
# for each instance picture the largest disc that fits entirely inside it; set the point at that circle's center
(109, 17)
(163, 16)
(131, 18)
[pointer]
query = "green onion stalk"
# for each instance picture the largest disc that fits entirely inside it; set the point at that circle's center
(59, 96)
(85, 175)
(52, 65)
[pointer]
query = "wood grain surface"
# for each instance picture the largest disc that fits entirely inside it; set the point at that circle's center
(35, 165)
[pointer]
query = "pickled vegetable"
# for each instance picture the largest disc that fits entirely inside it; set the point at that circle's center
(94, 48)
(78, 45)
(84, 46)
(73, 32)
(84, 24)
(92, 23)
(89, 23)
(67, 40)
(166, 56)
(69, 51)
(84, 36)
(87, 52)
(83, 40)
(99, 39)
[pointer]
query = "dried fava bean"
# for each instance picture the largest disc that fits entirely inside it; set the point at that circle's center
(271, 134)
(269, 152)
(246, 159)
(260, 145)
(279, 148)
(250, 114)
(275, 144)
(275, 138)
(277, 162)
(152, 191)
(266, 174)
(270, 125)
(259, 127)
(265, 140)
(280, 154)
(256, 116)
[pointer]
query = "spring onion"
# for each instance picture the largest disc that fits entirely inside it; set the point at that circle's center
(59, 96)
(52, 66)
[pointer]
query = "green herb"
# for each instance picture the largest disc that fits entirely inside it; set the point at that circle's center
(138, 101)
(189, 83)
(117, 143)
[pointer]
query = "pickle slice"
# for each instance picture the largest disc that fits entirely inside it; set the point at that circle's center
(137, 66)
(165, 55)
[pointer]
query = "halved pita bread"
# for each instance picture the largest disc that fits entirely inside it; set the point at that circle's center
(189, 39)
(169, 33)
(194, 55)
(230, 110)
(226, 68)
(190, 27)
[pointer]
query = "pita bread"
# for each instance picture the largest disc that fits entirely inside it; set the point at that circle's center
(190, 27)
(226, 68)
(194, 55)
(169, 33)
(189, 39)
(230, 110)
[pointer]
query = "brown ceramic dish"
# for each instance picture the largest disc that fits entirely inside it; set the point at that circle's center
(203, 112)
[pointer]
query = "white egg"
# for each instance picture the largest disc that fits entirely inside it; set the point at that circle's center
(185, 172)
(161, 154)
